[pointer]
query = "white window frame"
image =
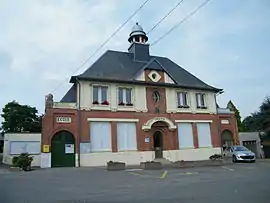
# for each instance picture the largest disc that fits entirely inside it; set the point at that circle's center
(178, 93)
(123, 88)
(99, 86)
(199, 96)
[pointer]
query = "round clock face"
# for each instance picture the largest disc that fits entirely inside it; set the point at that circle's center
(156, 96)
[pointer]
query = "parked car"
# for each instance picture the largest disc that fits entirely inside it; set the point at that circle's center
(239, 153)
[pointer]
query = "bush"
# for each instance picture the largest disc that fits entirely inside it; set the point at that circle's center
(15, 161)
(23, 161)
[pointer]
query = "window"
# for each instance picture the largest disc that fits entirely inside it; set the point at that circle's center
(100, 95)
(204, 135)
(124, 96)
(182, 100)
(200, 99)
(156, 96)
(185, 135)
(100, 136)
(126, 136)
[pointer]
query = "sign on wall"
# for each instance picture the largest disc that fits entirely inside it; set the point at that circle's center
(69, 148)
(85, 147)
(225, 122)
(62, 119)
(147, 139)
(46, 148)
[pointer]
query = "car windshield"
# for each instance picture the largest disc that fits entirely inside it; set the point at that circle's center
(240, 148)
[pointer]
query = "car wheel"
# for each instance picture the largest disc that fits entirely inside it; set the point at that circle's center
(234, 159)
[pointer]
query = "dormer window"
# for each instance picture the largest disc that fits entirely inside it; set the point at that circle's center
(200, 100)
(182, 99)
(125, 96)
(100, 95)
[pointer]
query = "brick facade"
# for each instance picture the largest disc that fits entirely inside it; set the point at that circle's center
(170, 138)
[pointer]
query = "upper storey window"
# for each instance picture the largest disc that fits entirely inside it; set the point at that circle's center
(182, 99)
(200, 100)
(100, 95)
(125, 96)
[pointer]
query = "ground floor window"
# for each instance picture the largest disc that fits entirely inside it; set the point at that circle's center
(204, 135)
(100, 136)
(185, 135)
(126, 136)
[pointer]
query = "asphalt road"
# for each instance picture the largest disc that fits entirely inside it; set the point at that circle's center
(241, 183)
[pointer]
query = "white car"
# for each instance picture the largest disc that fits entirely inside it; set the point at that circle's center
(239, 153)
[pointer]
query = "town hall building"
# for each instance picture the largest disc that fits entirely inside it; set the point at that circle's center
(135, 107)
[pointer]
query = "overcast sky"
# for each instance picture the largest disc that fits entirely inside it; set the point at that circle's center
(42, 43)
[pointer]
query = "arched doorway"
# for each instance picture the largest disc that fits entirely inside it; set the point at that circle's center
(158, 144)
(63, 149)
(227, 138)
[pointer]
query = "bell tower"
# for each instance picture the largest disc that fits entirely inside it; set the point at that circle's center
(138, 46)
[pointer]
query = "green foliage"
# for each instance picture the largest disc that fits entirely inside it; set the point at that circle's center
(23, 161)
(15, 161)
(233, 108)
(20, 118)
(260, 120)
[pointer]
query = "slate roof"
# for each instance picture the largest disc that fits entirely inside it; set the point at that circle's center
(116, 66)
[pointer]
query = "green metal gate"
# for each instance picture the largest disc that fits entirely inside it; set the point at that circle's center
(63, 150)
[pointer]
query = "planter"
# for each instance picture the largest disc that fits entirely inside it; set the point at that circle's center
(184, 164)
(116, 166)
(151, 165)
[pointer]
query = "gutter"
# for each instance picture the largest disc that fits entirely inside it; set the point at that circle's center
(79, 121)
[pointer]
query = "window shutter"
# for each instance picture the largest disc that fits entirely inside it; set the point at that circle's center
(100, 136)
(185, 135)
(204, 135)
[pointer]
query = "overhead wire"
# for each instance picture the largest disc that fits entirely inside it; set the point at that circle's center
(104, 43)
(181, 22)
(165, 16)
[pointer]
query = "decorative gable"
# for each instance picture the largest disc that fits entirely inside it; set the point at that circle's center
(153, 71)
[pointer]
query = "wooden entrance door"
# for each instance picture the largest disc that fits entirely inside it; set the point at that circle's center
(63, 150)
(158, 144)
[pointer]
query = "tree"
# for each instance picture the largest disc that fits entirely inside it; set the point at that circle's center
(260, 120)
(20, 118)
(233, 108)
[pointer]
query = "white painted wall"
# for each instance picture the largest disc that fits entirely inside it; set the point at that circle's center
(191, 154)
(171, 95)
(9, 137)
(136, 157)
(138, 96)
(139, 99)
(130, 158)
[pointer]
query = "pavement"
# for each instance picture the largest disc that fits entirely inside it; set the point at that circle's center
(241, 183)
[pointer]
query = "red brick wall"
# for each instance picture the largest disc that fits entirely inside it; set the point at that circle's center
(170, 138)
(151, 105)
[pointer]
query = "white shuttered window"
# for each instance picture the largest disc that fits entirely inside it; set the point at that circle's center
(185, 135)
(126, 136)
(100, 136)
(204, 135)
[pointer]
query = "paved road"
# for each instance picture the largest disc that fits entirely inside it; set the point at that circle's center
(241, 183)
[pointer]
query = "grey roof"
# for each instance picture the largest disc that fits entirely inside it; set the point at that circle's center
(115, 66)
(70, 96)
